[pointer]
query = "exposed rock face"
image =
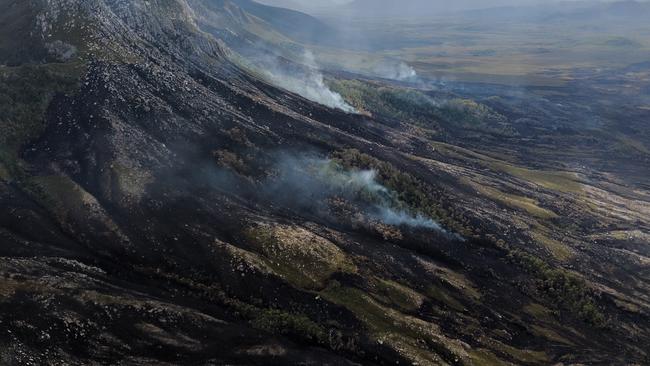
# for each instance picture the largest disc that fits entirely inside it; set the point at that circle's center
(133, 231)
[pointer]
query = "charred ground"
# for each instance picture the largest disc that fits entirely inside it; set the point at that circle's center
(134, 230)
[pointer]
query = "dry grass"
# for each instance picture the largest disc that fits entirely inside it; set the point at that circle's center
(559, 251)
(299, 256)
(514, 201)
(561, 181)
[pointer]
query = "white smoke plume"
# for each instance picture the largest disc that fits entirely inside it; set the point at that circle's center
(395, 71)
(308, 182)
(308, 82)
(317, 178)
(392, 217)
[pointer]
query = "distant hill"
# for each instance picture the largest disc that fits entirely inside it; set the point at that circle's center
(573, 10)
(618, 10)
(293, 24)
(578, 11)
(417, 8)
(242, 23)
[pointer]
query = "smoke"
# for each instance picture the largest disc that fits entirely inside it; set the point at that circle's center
(395, 71)
(307, 182)
(397, 218)
(307, 81)
(321, 188)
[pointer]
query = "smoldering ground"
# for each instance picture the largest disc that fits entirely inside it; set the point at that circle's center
(308, 182)
(301, 76)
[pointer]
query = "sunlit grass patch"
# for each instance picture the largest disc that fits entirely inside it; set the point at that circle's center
(538, 311)
(415, 339)
(404, 298)
(554, 180)
(551, 335)
(300, 257)
(520, 202)
(438, 294)
(560, 181)
(559, 250)
(522, 355)
(484, 357)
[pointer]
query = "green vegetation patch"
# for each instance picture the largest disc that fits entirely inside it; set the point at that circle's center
(629, 145)
(467, 112)
(281, 322)
(406, 105)
(417, 195)
(131, 181)
(416, 108)
(564, 289)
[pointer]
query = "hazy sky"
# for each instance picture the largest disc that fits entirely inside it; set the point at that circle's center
(456, 4)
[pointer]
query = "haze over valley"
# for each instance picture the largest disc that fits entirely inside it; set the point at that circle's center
(354, 182)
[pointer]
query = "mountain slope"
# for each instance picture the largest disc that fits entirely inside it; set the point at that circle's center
(296, 25)
(170, 208)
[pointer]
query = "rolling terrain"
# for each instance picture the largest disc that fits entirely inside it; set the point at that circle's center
(164, 202)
